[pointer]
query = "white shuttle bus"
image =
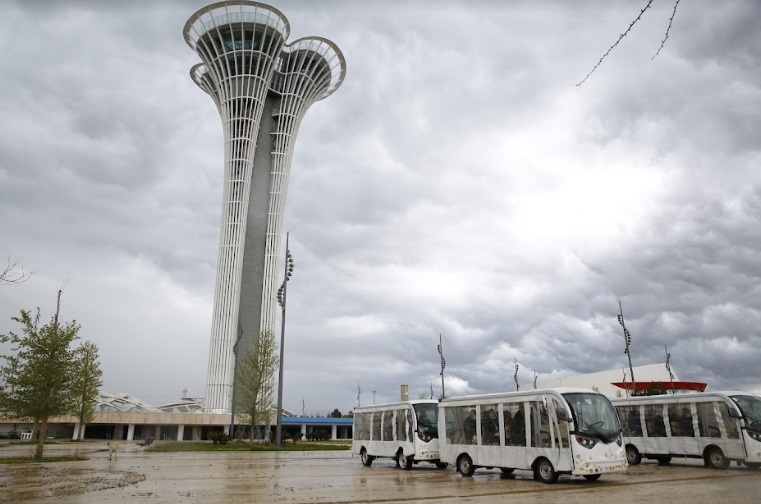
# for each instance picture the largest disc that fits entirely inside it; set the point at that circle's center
(716, 426)
(405, 431)
(549, 432)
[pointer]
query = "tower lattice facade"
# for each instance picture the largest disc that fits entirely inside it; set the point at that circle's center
(262, 87)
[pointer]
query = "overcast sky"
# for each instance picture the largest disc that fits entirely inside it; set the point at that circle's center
(459, 184)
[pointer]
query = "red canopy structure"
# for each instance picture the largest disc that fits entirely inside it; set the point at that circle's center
(677, 386)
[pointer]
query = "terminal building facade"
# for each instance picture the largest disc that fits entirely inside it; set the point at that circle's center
(262, 87)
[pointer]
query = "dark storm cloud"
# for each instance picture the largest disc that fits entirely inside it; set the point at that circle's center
(458, 183)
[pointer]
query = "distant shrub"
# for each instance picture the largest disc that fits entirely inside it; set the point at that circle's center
(219, 437)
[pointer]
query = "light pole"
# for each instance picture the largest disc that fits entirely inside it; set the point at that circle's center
(281, 299)
(627, 340)
(443, 365)
(668, 368)
(235, 375)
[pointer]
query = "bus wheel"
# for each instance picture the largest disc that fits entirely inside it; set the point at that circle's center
(592, 477)
(544, 472)
(441, 465)
(633, 456)
(465, 465)
(404, 461)
(366, 459)
(664, 459)
(506, 470)
(716, 459)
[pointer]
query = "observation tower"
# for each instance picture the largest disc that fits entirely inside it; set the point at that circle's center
(262, 86)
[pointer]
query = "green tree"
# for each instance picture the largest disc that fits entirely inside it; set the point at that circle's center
(254, 382)
(36, 379)
(85, 384)
(336, 414)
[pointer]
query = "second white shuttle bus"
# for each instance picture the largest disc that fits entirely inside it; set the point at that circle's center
(405, 431)
(716, 426)
(549, 432)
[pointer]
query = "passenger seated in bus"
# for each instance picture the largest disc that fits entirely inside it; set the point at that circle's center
(423, 421)
(508, 420)
(685, 423)
(518, 428)
(634, 423)
(655, 425)
(469, 427)
(490, 428)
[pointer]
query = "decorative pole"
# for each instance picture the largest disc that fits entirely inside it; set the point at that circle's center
(281, 300)
(235, 375)
(443, 365)
(627, 341)
(515, 376)
(668, 367)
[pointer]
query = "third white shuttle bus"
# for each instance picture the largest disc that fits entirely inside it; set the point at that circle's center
(405, 431)
(549, 432)
(716, 426)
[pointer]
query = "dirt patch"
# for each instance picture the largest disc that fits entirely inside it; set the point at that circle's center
(33, 482)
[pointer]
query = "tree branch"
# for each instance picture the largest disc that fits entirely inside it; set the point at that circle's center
(631, 25)
(671, 20)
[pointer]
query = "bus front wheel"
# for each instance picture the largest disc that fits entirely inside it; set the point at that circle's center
(633, 456)
(465, 465)
(366, 458)
(404, 461)
(716, 459)
(544, 472)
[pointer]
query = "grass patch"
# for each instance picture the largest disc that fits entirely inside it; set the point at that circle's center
(32, 460)
(196, 446)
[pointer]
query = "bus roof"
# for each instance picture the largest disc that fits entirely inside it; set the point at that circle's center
(527, 393)
(376, 407)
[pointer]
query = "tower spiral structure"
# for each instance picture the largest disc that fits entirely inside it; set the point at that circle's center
(262, 87)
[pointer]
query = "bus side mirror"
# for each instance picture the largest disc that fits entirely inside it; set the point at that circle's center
(734, 413)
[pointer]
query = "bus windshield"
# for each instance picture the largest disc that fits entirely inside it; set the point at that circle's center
(594, 416)
(750, 406)
(427, 419)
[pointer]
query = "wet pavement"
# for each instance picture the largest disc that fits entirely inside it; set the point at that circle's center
(141, 476)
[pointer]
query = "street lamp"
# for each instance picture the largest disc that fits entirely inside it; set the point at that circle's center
(281, 300)
(235, 376)
(627, 341)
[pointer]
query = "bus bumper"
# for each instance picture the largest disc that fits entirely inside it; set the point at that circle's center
(599, 467)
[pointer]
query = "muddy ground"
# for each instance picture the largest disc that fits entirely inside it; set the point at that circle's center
(140, 476)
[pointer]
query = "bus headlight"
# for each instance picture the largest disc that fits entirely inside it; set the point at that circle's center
(423, 437)
(755, 436)
(586, 442)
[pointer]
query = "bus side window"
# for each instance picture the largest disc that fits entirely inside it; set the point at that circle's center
(517, 434)
(730, 424)
(708, 425)
(540, 425)
(453, 419)
(401, 427)
(489, 425)
(410, 435)
(376, 426)
(388, 425)
(561, 438)
(654, 421)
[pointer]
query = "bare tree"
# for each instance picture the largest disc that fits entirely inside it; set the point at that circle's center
(625, 33)
(14, 273)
